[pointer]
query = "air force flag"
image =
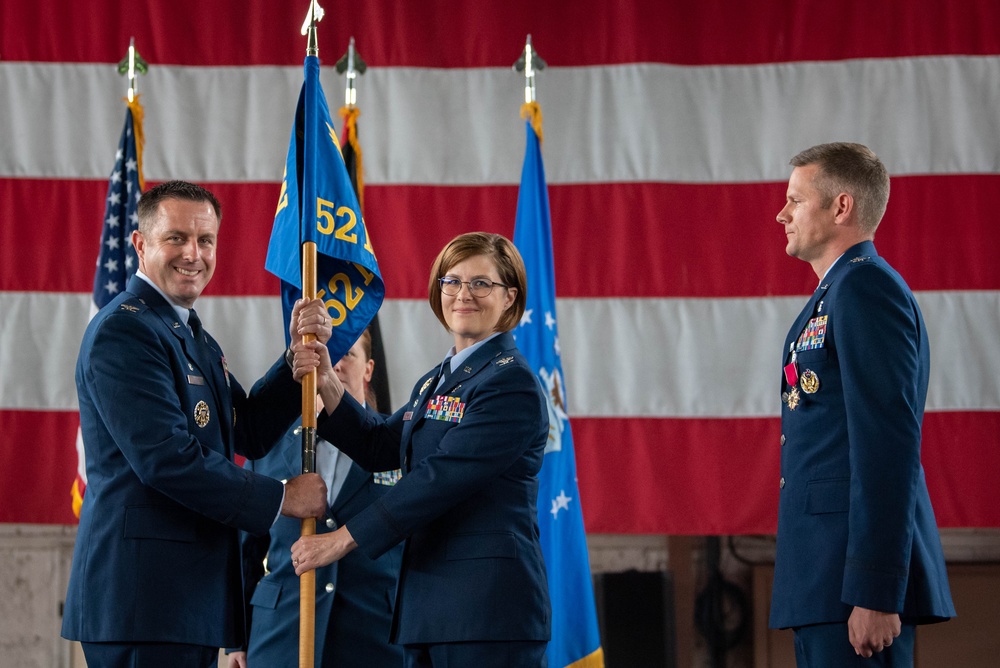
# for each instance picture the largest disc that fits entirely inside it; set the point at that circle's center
(575, 638)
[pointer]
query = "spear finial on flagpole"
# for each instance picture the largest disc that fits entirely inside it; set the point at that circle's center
(314, 16)
(132, 65)
(354, 66)
(529, 63)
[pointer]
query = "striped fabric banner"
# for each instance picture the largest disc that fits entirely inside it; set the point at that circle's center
(669, 127)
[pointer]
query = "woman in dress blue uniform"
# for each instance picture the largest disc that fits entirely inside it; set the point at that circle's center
(470, 440)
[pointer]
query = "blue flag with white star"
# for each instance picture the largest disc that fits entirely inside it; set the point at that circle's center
(117, 261)
(575, 637)
(317, 203)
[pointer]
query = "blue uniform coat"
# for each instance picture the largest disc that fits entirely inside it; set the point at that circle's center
(855, 523)
(353, 596)
(157, 555)
(471, 452)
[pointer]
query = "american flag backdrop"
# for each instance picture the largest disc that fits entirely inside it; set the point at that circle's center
(668, 130)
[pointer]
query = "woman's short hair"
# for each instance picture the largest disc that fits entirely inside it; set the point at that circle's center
(507, 260)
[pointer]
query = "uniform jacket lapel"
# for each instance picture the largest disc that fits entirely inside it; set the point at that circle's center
(199, 357)
(863, 249)
(468, 369)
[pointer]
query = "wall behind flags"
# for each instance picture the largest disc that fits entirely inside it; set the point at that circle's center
(668, 130)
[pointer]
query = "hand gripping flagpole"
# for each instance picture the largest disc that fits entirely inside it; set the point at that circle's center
(307, 581)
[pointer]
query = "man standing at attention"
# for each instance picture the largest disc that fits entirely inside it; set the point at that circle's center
(859, 560)
(155, 580)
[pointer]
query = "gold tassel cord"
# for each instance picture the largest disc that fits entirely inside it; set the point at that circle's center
(532, 111)
(140, 138)
(350, 116)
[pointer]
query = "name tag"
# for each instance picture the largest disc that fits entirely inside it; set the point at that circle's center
(196, 380)
(448, 409)
(407, 416)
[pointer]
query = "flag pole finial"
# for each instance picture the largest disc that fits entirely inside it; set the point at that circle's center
(314, 16)
(530, 63)
(354, 66)
(132, 65)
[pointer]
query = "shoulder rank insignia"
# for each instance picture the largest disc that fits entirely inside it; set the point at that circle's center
(129, 308)
(504, 361)
(863, 258)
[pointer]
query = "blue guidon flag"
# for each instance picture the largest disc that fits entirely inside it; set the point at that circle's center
(575, 640)
(317, 203)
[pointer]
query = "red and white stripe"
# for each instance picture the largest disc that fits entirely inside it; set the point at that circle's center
(667, 137)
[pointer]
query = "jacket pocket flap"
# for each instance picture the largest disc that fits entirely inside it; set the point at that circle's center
(828, 496)
(266, 594)
(159, 523)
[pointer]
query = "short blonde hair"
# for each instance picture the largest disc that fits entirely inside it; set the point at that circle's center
(505, 257)
(854, 169)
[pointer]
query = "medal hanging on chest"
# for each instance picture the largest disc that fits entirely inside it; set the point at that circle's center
(792, 397)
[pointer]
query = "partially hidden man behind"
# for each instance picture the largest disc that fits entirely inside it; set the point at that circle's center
(859, 560)
(354, 595)
(155, 579)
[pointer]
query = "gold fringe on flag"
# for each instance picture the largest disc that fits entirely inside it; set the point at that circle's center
(596, 658)
(77, 498)
(532, 111)
(350, 116)
(140, 138)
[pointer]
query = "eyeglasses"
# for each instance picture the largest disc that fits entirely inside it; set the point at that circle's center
(478, 287)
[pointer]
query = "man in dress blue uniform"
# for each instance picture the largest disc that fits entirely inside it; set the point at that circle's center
(354, 595)
(155, 579)
(859, 560)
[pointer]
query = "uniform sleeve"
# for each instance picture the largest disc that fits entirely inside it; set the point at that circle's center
(369, 439)
(878, 344)
(263, 417)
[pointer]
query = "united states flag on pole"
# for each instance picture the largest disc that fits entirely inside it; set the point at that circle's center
(116, 259)
(575, 638)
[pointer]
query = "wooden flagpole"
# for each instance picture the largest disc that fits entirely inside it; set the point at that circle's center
(307, 581)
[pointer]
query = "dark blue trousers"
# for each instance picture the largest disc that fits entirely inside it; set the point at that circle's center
(478, 654)
(149, 655)
(829, 646)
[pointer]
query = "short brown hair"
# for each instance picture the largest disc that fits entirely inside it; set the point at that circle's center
(854, 169)
(505, 257)
(150, 201)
